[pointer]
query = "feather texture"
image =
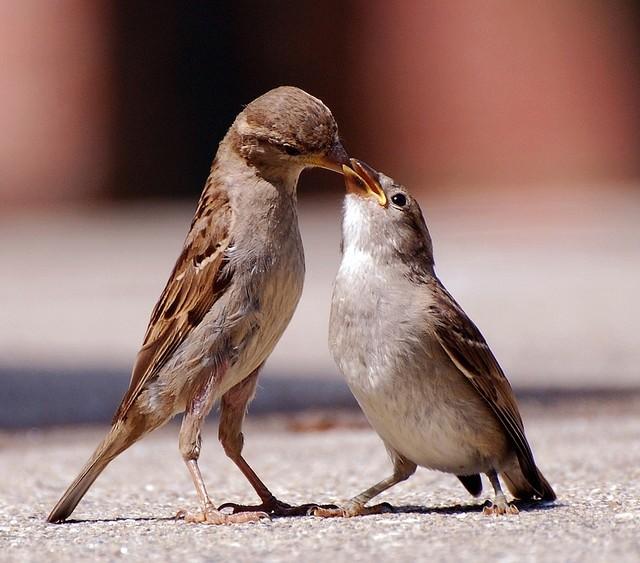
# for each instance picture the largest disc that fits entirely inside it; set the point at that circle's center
(468, 350)
(198, 278)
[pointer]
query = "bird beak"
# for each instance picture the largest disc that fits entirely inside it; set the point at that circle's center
(334, 159)
(360, 179)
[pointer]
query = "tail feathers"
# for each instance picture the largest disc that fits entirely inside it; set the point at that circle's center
(114, 443)
(547, 491)
(473, 484)
(521, 488)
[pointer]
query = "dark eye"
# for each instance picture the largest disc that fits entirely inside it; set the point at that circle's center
(399, 199)
(291, 150)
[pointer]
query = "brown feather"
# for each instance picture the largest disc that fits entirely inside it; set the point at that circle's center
(117, 440)
(468, 350)
(197, 280)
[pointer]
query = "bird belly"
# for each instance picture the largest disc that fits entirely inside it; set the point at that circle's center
(433, 428)
(230, 343)
(413, 396)
(273, 288)
(279, 296)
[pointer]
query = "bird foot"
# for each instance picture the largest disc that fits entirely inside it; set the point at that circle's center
(274, 507)
(498, 508)
(217, 518)
(350, 510)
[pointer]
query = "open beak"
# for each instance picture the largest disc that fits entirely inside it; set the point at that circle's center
(361, 179)
(334, 159)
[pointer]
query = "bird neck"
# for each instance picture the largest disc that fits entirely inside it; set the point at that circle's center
(265, 200)
(283, 178)
(282, 175)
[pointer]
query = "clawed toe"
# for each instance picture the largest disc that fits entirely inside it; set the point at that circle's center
(274, 507)
(328, 512)
(217, 518)
(300, 510)
(500, 508)
(242, 508)
(351, 510)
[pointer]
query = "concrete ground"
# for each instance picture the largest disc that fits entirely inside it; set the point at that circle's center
(590, 451)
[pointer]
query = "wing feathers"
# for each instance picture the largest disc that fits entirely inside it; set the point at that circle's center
(197, 280)
(468, 350)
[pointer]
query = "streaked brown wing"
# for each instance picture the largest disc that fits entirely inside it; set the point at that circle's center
(468, 350)
(197, 280)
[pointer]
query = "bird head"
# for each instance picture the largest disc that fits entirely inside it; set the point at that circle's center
(287, 129)
(383, 219)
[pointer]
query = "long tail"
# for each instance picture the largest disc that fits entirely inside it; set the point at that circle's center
(520, 487)
(116, 441)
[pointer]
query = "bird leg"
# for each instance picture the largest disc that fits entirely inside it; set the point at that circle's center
(402, 470)
(233, 408)
(499, 504)
(190, 441)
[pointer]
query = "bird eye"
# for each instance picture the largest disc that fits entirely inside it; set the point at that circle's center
(399, 200)
(291, 150)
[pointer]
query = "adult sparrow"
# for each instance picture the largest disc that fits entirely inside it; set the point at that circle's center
(230, 296)
(417, 365)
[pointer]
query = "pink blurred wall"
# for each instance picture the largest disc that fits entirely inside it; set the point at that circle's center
(497, 93)
(444, 95)
(55, 101)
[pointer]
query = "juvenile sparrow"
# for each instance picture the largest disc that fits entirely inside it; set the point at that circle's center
(230, 296)
(417, 365)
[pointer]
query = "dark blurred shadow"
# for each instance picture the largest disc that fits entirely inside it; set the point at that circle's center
(40, 398)
(522, 506)
(183, 75)
(117, 519)
(403, 509)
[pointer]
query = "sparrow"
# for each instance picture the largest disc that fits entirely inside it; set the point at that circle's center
(229, 298)
(417, 365)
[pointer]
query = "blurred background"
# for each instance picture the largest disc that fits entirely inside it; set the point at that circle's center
(517, 124)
